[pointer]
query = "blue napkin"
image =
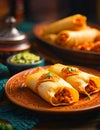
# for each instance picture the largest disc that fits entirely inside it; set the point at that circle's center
(20, 118)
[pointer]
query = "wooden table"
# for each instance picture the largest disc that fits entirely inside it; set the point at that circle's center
(80, 123)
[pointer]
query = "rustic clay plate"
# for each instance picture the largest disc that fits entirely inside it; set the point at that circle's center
(19, 94)
(78, 57)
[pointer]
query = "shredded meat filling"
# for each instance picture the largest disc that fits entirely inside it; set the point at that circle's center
(63, 96)
(91, 86)
(62, 39)
(69, 72)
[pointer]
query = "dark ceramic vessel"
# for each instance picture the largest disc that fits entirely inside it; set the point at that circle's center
(78, 57)
(15, 68)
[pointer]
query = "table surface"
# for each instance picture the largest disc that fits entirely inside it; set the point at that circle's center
(82, 121)
(85, 123)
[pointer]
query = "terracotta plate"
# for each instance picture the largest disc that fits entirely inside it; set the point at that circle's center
(72, 56)
(19, 94)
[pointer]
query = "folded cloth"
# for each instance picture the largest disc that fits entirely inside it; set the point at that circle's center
(20, 118)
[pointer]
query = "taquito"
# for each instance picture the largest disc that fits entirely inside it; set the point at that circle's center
(51, 87)
(74, 22)
(83, 82)
(51, 38)
(69, 39)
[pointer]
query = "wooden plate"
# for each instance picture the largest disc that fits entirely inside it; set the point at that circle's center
(79, 57)
(19, 94)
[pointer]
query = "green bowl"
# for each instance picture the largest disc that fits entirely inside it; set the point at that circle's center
(15, 68)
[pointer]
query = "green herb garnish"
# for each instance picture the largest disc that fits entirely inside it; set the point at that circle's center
(49, 74)
(70, 69)
(88, 96)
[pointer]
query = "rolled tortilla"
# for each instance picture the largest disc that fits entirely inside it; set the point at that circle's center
(51, 38)
(69, 39)
(74, 22)
(51, 87)
(83, 82)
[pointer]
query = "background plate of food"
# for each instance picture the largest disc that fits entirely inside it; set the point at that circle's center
(71, 38)
(42, 89)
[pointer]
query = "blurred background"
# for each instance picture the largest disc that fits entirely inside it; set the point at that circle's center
(44, 10)
(48, 10)
(30, 12)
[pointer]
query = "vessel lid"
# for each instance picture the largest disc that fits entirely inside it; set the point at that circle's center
(11, 33)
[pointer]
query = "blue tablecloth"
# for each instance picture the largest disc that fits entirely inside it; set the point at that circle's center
(20, 118)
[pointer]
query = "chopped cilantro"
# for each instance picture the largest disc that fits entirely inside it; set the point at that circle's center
(49, 74)
(70, 69)
(88, 96)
